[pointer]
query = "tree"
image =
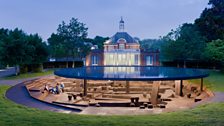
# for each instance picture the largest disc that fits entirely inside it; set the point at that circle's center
(152, 44)
(211, 21)
(3, 37)
(19, 49)
(14, 49)
(70, 38)
(99, 41)
(185, 43)
(215, 52)
(38, 51)
(57, 48)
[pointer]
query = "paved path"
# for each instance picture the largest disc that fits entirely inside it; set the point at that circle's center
(7, 72)
(219, 97)
(16, 81)
(20, 95)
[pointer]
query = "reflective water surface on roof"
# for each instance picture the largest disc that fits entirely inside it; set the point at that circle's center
(132, 73)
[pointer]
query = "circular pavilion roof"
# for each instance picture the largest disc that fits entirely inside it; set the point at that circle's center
(132, 73)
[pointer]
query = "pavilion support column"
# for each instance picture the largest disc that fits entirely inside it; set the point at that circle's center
(155, 92)
(201, 87)
(127, 87)
(179, 87)
(85, 87)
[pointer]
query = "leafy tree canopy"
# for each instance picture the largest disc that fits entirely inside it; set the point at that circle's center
(185, 43)
(17, 48)
(99, 41)
(215, 51)
(14, 49)
(69, 40)
(151, 44)
(211, 21)
(37, 48)
(56, 46)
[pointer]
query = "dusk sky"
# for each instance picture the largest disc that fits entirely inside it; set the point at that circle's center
(143, 18)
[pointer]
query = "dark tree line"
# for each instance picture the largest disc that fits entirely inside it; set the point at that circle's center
(211, 21)
(20, 49)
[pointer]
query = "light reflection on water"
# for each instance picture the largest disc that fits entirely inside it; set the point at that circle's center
(131, 72)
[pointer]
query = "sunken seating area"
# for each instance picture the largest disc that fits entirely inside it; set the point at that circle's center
(36, 87)
(142, 95)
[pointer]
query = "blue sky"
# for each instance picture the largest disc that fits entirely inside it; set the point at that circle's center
(143, 18)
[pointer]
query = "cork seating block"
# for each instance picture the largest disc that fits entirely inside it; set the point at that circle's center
(142, 107)
(97, 105)
(93, 103)
(155, 91)
(201, 96)
(145, 104)
(35, 89)
(197, 99)
(177, 87)
(132, 104)
(40, 95)
(67, 89)
(150, 106)
(162, 106)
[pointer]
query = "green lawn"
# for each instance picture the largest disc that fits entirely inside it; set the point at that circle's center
(13, 114)
(29, 75)
(215, 81)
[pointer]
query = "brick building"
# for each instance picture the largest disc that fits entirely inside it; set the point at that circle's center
(122, 50)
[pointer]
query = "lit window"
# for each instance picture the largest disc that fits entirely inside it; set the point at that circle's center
(149, 60)
(94, 60)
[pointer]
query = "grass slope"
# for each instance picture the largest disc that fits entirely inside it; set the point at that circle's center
(215, 81)
(13, 114)
(29, 75)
